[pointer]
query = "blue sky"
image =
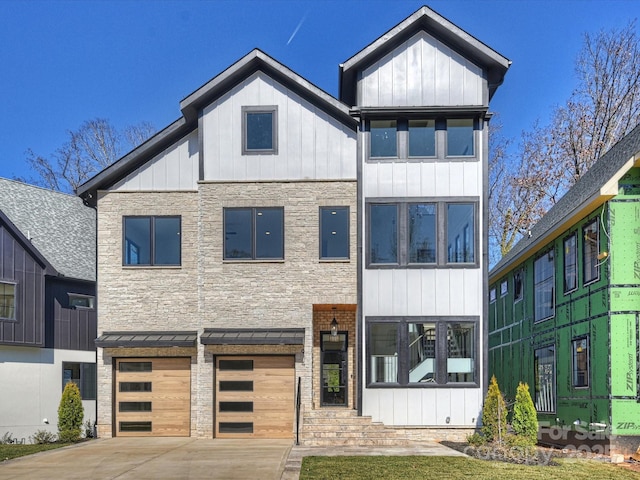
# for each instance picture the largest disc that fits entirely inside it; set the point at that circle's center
(64, 62)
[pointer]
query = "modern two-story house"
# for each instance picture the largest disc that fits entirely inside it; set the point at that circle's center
(47, 306)
(278, 257)
(565, 309)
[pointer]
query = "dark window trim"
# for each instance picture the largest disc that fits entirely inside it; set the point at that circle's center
(253, 237)
(573, 365)
(441, 350)
(81, 296)
(16, 301)
(593, 221)
(320, 231)
(402, 207)
(151, 263)
(555, 376)
(83, 366)
(517, 298)
(553, 288)
(273, 109)
(475, 126)
(564, 263)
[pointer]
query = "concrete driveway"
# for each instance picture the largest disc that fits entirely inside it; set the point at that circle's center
(155, 458)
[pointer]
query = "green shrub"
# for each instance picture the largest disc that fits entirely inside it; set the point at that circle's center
(525, 419)
(494, 414)
(7, 438)
(88, 429)
(476, 440)
(70, 414)
(42, 437)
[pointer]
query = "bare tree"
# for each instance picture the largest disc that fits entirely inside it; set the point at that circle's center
(95, 145)
(603, 108)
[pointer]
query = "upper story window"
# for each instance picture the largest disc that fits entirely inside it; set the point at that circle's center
(153, 240)
(260, 130)
(590, 252)
(77, 300)
(543, 285)
(384, 141)
(504, 288)
(334, 233)
(570, 258)
(518, 285)
(407, 233)
(422, 138)
(460, 138)
(254, 233)
(492, 295)
(7, 301)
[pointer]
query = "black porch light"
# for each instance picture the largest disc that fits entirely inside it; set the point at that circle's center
(334, 328)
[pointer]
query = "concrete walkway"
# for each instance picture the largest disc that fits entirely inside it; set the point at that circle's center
(187, 458)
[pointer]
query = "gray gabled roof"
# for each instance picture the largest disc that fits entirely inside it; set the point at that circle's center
(58, 226)
(439, 27)
(594, 188)
(254, 61)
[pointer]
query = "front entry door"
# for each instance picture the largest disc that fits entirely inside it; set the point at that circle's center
(334, 371)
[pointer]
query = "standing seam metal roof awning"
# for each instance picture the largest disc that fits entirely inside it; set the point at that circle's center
(147, 339)
(240, 336)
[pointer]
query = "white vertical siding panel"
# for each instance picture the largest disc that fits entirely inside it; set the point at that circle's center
(370, 86)
(384, 298)
(384, 402)
(414, 292)
(385, 179)
(370, 180)
(307, 143)
(442, 292)
(457, 408)
(442, 178)
(145, 177)
(430, 70)
(370, 292)
(414, 71)
(229, 151)
(472, 409)
(472, 84)
(348, 153)
(443, 76)
(472, 284)
(428, 179)
(400, 406)
(294, 158)
(415, 409)
(443, 400)
(385, 79)
(429, 406)
(472, 179)
(371, 403)
(456, 179)
(413, 179)
(399, 64)
(322, 146)
(456, 75)
(399, 292)
(429, 292)
(399, 179)
(457, 292)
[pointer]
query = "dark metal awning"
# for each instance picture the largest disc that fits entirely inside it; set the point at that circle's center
(146, 339)
(252, 336)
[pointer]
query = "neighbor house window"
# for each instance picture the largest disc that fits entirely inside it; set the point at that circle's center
(580, 349)
(543, 285)
(570, 258)
(384, 141)
(253, 233)
(77, 300)
(545, 378)
(83, 375)
(590, 251)
(460, 137)
(422, 350)
(422, 138)
(460, 233)
(8, 300)
(504, 288)
(492, 295)
(260, 130)
(334, 232)
(518, 283)
(152, 240)
(409, 234)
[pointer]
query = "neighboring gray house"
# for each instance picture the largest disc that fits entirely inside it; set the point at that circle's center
(261, 247)
(47, 305)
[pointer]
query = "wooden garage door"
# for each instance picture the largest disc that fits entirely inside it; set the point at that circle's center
(153, 397)
(254, 397)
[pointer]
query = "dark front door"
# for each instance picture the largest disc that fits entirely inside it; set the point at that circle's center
(334, 370)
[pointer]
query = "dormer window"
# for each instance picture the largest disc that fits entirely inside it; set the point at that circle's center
(259, 130)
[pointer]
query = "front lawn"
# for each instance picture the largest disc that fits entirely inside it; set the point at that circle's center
(418, 467)
(9, 451)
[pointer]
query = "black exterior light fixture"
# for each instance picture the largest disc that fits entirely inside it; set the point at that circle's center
(334, 328)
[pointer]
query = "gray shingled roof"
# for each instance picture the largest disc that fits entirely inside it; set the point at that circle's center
(59, 226)
(587, 188)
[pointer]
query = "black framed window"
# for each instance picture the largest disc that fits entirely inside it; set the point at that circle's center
(421, 234)
(334, 232)
(260, 130)
(77, 300)
(518, 285)
(570, 260)
(543, 286)
(422, 351)
(545, 378)
(384, 138)
(590, 252)
(254, 233)
(580, 362)
(422, 138)
(83, 375)
(152, 240)
(8, 300)
(460, 137)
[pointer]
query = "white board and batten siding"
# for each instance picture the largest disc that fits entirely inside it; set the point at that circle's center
(175, 169)
(422, 71)
(312, 145)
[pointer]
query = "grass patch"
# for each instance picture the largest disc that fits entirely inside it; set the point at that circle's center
(7, 452)
(418, 467)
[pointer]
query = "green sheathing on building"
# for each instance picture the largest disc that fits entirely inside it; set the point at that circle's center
(604, 311)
